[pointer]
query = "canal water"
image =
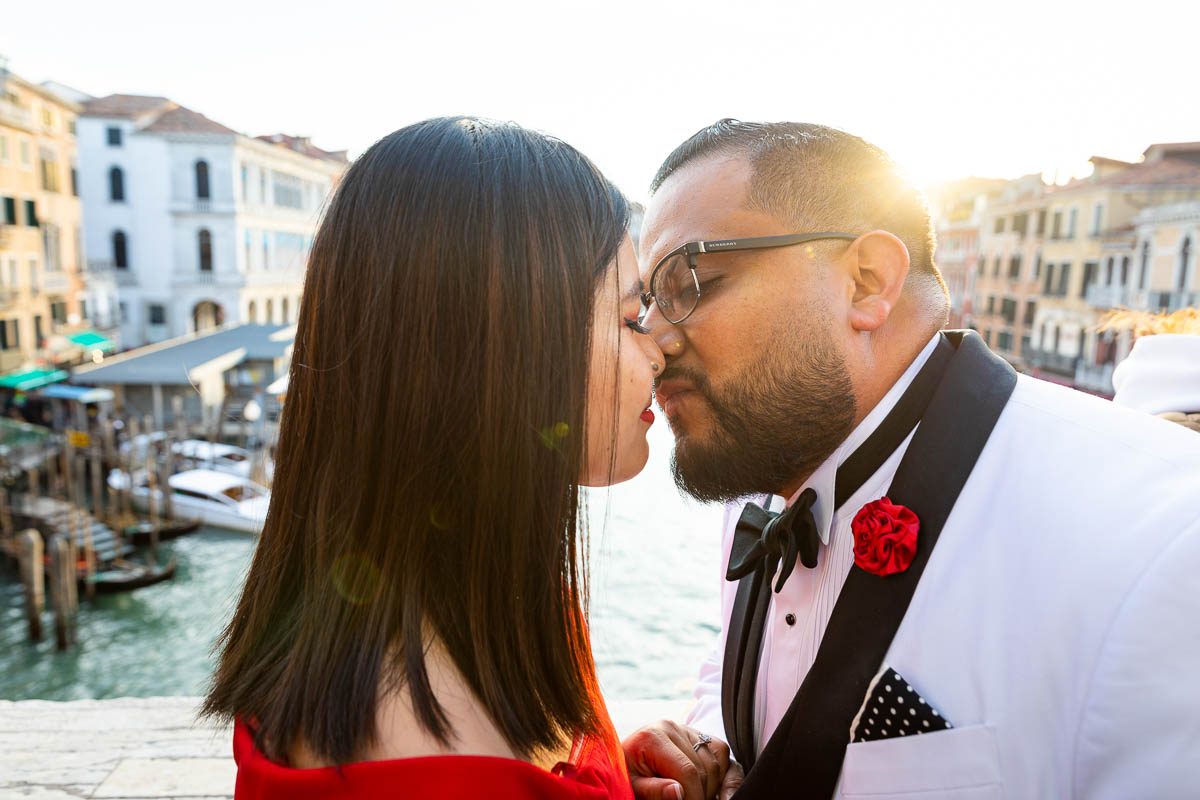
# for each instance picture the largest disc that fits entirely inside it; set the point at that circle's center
(655, 607)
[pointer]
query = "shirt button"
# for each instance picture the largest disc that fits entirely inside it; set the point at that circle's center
(790, 619)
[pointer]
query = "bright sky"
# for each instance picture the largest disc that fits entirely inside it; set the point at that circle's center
(949, 88)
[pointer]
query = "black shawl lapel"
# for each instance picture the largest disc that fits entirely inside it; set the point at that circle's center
(804, 755)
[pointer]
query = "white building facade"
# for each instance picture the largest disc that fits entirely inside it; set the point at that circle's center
(189, 224)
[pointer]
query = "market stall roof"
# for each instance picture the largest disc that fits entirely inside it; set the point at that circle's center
(168, 363)
(82, 394)
(90, 340)
(26, 379)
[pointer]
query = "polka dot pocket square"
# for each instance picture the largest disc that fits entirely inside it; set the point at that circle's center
(892, 708)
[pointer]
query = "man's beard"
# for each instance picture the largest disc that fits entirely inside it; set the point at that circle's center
(777, 421)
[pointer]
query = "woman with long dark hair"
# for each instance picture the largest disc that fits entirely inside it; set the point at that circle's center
(467, 355)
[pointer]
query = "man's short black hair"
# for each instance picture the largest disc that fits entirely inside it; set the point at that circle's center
(820, 179)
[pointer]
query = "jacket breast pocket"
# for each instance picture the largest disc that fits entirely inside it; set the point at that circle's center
(957, 763)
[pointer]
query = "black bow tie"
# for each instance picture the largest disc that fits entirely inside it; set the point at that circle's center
(761, 534)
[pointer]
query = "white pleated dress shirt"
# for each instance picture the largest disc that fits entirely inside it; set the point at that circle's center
(798, 614)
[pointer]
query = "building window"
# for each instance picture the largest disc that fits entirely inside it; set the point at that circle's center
(1041, 223)
(247, 249)
(269, 312)
(1014, 267)
(1004, 341)
(158, 314)
(114, 136)
(52, 246)
(251, 312)
(1048, 287)
(991, 304)
(998, 226)
(982, 266)
(262, 186)
(120, 253)
(1124, 270)
(1145, 266)
(49, 173)
(987, 336)
(1020, 223)
(266, 249)
(1071, 223)
(116, 185)
(1037, 266)
(3, 149)
(1056, 226)
(1064, 278)
(58, 314)
(26, 158)
(1108, 271)
(289, 191)
(1090, 268)
(283, 310)
(202, 180)
(1030, 308)
(205, 241)
(9, 335)
(31, 217)
(1008, 309)
(123, 311)
(1185, 255)
(245, 184)
(10, 211)
(1097, 214)
(75, 181)
(996, 267)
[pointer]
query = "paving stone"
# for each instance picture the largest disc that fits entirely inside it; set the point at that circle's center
(182, 777)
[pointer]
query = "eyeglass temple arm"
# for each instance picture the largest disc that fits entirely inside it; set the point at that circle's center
(759, 242)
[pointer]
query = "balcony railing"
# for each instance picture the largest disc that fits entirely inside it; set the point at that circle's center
(1167, 302)
(1101, 296)
(1054, 362)
(1094, 377)
(55, 281)
(199, 277)
(16, 116)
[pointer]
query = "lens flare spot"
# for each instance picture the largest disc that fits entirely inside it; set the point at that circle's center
(810, 252)
(355, 578)
(553, 436)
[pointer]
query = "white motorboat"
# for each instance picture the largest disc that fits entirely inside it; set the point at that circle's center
(215, 498)
(199, 454)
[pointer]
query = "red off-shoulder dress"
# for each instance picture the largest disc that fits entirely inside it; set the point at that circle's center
(595, 771)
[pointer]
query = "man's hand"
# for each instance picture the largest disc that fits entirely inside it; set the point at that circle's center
(665, 764)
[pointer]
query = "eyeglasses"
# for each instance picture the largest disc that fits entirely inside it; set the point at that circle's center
(673, 282)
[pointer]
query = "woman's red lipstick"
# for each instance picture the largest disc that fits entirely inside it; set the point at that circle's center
(648, 417)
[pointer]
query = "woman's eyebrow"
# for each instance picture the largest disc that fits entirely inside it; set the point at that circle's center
(635, 291)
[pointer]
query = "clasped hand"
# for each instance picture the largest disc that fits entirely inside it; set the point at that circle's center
(667, 762)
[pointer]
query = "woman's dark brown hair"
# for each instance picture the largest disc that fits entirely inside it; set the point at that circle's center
(429, 449)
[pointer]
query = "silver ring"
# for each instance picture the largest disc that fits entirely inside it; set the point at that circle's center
(704, 739)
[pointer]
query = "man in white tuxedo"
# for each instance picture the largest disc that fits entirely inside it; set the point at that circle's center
(1020, 618)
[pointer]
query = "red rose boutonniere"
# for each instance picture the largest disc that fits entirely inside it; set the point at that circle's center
(885, 537)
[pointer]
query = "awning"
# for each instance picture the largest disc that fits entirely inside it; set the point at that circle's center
(82, 394)
(90, 340)
(24, 380)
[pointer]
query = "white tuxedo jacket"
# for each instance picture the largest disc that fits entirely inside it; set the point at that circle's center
(1057, 624)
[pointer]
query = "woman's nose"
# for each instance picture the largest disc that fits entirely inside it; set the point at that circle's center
(667, 338)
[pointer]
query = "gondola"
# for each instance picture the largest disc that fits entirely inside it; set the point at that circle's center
(139, 534)
(124, 576)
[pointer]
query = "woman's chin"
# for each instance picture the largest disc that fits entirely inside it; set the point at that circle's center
(629, 465)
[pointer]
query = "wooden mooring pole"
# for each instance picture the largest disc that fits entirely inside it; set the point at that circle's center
(64, 596)
(152, 493)
(33, 575)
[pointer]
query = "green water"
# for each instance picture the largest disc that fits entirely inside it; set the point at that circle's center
(655, 606)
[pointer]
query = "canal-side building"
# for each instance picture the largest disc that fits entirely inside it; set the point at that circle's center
(1090, 227)
(196, 224)
(42, 302)
(1009, 269)
(958, 209)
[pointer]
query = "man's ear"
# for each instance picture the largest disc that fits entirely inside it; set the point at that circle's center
(879, 274)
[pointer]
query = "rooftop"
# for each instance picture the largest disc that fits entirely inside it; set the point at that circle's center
(168, 363)
(304, 146)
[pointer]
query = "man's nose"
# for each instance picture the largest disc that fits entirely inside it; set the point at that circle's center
(668, 337)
